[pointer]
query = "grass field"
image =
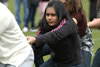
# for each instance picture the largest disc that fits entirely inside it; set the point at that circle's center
(95, 32)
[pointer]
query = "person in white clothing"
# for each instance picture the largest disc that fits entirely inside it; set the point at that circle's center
(15, 50)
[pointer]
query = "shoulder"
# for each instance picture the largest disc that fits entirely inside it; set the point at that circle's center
(4, 11)
(5, 15)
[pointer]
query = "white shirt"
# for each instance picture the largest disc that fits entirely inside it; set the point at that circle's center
(14, 48)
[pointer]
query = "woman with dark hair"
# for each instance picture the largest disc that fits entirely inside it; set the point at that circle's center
(75, 8)
(59, 31)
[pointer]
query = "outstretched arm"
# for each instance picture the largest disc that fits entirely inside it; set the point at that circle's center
(95, 23)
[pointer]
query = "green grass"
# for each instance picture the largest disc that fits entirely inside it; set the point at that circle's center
(95, 32)
(12, 9)
(86, 7)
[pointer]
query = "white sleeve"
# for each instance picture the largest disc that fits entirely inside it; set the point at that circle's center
(4, 18)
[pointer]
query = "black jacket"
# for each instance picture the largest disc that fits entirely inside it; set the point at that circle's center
(64, 44)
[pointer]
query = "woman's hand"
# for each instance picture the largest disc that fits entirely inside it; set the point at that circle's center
(31, 40)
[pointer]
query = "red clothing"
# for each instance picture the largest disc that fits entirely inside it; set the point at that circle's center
(82, 23)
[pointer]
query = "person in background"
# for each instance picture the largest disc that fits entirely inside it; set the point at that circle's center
(42, 6)
(96, 24)
(92, 9)
(17, 10)
(98, 8)
(32, 5)
(15, 51)
(5, 2)
(75, 8)
(58, 30)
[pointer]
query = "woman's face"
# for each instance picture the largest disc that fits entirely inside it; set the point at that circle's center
(51, 16)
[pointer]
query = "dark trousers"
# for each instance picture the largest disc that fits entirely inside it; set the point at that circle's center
(45, 50)
(93, 12)
(96, 60)
(51, 63)
(86, 62)
(86, 59)
(39, 53)
(31, 17)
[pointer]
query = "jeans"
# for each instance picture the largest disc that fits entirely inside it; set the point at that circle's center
(48, 63)
(31, 17)
(51, 63)
(39, 53)
(46, 51)
(6, 65)
(96, 60)
(17, 10)
(86, 62)
(86, 59)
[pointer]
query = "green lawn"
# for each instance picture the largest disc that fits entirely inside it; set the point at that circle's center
(95, 32)
(12, 9)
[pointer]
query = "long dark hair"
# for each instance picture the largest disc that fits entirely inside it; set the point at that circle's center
(60, 12)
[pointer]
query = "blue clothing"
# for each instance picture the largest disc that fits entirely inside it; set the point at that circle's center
(86, 48)
(86, 59)
(46, 51)
(32, 5)
(51, 63)
(31, 17)
(17, 10)
(96, 60)
(43, 52)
